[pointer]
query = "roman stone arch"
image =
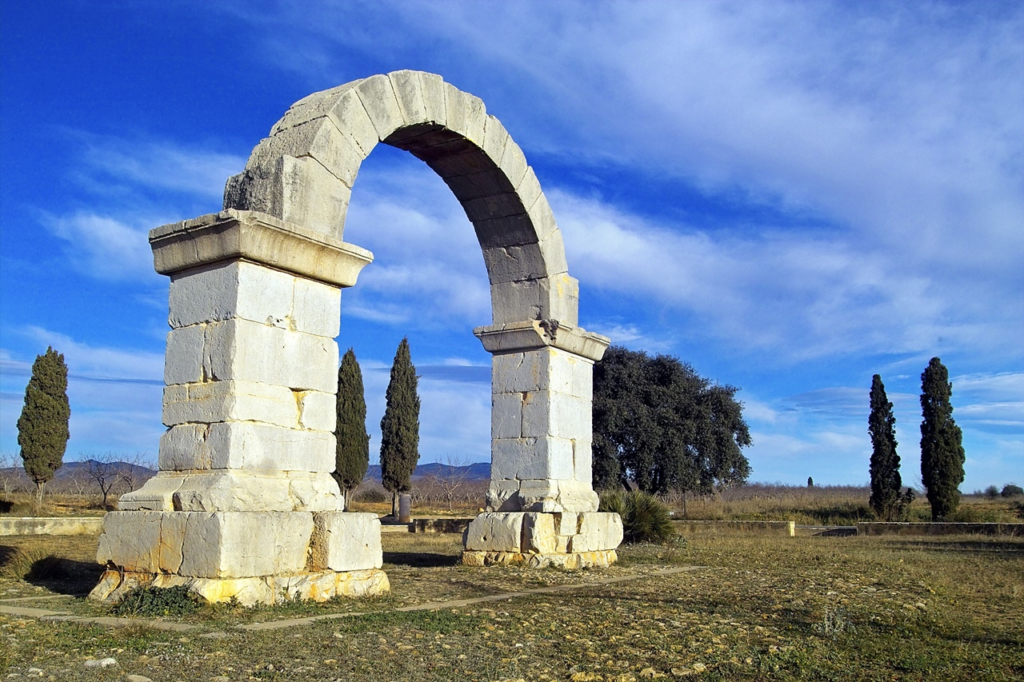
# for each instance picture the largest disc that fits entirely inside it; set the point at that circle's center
(243, 505)
(303, 173)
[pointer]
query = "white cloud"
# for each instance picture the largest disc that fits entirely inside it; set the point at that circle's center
(104, 247)
(115, 394)
(112, 164)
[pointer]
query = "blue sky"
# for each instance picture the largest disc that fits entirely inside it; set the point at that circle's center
(791, 197)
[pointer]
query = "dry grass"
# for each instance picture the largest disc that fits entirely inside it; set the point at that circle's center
(761, 608)
(824, 505)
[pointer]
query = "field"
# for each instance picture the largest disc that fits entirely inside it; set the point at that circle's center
(739, 606)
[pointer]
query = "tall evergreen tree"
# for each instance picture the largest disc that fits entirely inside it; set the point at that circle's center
(353, 450)
(43, 424)
(886, 482)
(942, 452)
(400, 427)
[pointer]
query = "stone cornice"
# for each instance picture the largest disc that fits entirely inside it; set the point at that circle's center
(257, 237)
(533, 334)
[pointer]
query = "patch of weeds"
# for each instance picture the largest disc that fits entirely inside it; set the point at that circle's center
(441, 621)
(835, 622)
(158, 601)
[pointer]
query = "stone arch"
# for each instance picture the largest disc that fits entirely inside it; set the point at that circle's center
(244, 504)
(303, 173)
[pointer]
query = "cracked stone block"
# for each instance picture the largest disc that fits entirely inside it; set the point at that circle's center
(346, 541)
(598, 531)
(495, 531)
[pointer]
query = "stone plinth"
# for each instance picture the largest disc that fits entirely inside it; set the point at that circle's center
(244, 504)
(539, 539)
(541, 506)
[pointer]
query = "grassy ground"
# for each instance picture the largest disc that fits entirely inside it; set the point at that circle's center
(758, 608)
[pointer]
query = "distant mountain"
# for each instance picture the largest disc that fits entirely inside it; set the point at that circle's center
(478, 471)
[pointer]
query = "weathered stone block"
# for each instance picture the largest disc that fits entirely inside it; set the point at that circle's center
(495, 531)
(567, 523)
(222, 291)
(378, 97)
(312, 196)
(598, 531)
(550, 414)
(495, 139)
(532, 458)
(156, 494)
(217, 401)
(503, 495)
(247, 351)
(245, 544)
(316, 308)
(539, 533)
(346, 541)
(408, 90)
(246, 445)
(350, 116)
(506, 415)
(183, 359)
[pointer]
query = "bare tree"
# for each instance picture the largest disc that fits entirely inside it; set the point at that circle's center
(451, 476)
(106, 473)
(135, 470)
(12, 475)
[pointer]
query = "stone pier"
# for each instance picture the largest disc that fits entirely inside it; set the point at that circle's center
(541, 506)
(244, 504)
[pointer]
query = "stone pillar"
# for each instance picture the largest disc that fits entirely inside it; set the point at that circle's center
(244, 504)
(541, 506)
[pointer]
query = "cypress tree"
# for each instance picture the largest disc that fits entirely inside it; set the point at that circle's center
(353, 450)
(942, 454)
(886, 482)
(400, 427)
(43, 424)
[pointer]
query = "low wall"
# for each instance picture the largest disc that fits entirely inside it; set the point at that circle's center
(879, 528)
(440, 525)
(52, 525)
(784, 528)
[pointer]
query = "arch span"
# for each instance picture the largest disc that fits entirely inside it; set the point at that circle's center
(303, 173)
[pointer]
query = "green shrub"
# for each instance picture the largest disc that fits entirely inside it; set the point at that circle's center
(1011, 490)
(992, 492)
(158, 601)
(644, 517)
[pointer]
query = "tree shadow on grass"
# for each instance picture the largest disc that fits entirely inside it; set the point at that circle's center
(962, 546)
(421, 559)
(64, 576)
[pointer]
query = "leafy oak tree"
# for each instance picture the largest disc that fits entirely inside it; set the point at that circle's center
(400, 427)
(942, 452)
(352, 456)
(43, 425)
(663, 426)
(887, 500)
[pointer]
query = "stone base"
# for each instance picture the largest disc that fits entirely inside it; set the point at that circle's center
(539, 539)
(599, 559)
(239, 545)
(309, 586)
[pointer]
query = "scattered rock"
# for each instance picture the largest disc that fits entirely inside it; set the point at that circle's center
(100, 663)
(35, 672)
(137, 678)
(699, 667)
